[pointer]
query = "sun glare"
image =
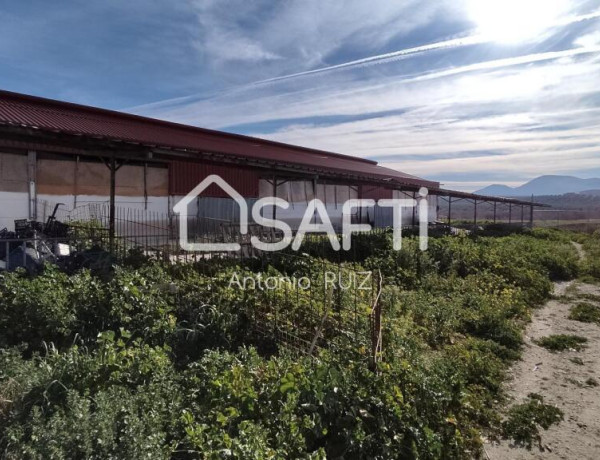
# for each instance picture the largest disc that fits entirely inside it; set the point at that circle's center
(514, 21)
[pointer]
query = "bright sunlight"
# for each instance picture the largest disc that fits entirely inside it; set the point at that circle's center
(514, 21)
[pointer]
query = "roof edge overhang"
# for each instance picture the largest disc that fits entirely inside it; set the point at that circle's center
(27, 138)
(20, 136)
(57, 104)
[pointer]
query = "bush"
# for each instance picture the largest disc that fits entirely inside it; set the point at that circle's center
(523, 420)
(562, 342)
(590, 265)
(153, 360)
(119, 402)
(43, 308)
(585, 312)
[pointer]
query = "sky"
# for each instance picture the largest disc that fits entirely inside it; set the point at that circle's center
(465, 92)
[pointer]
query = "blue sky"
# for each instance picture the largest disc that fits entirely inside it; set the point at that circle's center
(467, 92)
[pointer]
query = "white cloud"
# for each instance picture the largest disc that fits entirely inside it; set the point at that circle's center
(589, 40)
(300, 34)
(490, 110)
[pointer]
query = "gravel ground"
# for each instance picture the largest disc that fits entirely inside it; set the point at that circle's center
(560, 381)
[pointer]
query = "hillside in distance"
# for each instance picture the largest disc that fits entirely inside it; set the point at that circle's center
(591, 192)
(568, 206)
(545, 186)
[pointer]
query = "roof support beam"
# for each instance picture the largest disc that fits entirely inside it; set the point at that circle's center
(414, 211)
(113, 167)
(32, 181)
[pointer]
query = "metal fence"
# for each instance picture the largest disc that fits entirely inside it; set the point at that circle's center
(305, 302)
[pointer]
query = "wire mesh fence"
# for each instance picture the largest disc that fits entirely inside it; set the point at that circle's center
(304, 300)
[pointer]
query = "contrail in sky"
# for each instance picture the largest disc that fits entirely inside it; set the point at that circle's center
(499, 63)
(387, 57)
(382, 58)
(453, 43)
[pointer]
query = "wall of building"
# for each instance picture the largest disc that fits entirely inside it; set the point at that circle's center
(298, 193)
(185, 175)
(14, 197)
(76, 184)
(81, 184)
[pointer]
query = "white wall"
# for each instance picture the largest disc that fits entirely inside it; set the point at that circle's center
(13, 206)
(72, 204)
(432, 203)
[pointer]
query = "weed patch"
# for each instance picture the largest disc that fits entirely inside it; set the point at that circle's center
(589, 296)
(562, 342)
(151, 360)
(524, 420)
(585, 312)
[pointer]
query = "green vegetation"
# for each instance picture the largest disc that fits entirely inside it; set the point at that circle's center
(164, 361)
(576, 360)
(562, 342)
(585, 312)
(524, 420)
(590, 297)
(591, 264)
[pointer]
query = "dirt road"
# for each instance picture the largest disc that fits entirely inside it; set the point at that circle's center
(562, 379)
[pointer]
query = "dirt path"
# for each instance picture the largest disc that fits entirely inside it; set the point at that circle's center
(560, 381)
(579, 248)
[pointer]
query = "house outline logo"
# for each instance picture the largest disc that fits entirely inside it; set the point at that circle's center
(181, 208)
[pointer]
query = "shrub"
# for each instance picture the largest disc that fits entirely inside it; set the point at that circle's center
(523, 420)
(562, 342)
(585, 312)
(590, 265)
(38, 309)
(119, 402)
(156, 360)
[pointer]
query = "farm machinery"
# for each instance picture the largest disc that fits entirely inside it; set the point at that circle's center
(34, 242)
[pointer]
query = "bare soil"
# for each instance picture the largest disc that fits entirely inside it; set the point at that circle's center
(560, 381)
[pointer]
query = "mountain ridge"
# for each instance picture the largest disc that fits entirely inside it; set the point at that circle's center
(544, 185)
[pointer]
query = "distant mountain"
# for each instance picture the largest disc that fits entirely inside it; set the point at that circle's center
(590, 192)
(497, 190)
(544, 185)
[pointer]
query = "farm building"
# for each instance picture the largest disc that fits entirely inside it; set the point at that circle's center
(56, 152)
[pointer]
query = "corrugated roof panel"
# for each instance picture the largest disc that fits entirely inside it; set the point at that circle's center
(46, 114)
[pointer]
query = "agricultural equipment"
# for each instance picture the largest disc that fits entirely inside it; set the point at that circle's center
(33, 242)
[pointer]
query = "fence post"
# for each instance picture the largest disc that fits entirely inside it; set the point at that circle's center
(111, 218)
(24, 249)
(376, 332)
(531, 213)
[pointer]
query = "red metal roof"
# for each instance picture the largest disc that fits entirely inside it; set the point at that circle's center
(57, 116)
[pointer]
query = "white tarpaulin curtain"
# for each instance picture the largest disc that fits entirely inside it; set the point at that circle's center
(302, 191)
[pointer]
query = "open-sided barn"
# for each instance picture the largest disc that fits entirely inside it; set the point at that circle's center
(59, 152)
